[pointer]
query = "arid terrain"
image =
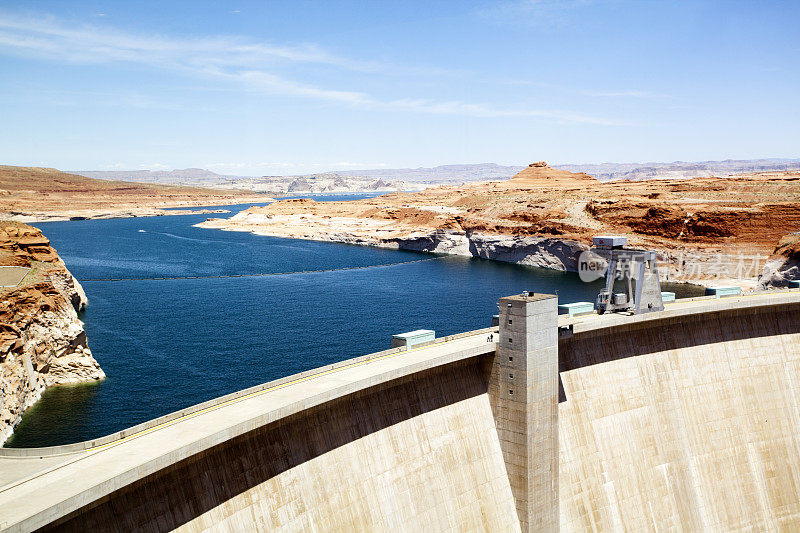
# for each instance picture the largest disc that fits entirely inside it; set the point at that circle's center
(322, 183)
(682, 169)
(721, 228)
(414, 179)
(31, 194)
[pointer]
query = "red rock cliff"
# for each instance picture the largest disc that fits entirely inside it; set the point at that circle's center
(42, 340)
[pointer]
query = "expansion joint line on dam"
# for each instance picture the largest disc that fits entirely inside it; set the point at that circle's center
(265, 274)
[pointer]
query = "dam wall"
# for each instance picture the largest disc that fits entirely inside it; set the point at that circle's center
(402, 439)
(686, 423)
(413, 454)
(683, 419)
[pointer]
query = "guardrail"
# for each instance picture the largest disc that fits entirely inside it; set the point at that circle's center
(569, 326)
(66, 449)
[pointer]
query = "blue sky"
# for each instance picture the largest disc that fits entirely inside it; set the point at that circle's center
(291, 87)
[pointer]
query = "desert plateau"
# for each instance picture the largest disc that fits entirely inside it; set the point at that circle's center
(33, 194)
(711, 229)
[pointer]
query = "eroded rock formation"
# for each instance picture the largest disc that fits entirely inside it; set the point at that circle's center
(783, 266)
(42, 340)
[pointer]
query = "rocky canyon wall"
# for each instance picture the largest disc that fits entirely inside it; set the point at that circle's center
(552, 253)
(42, 340)
(783, 267)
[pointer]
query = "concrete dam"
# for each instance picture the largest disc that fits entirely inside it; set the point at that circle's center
(683, 419)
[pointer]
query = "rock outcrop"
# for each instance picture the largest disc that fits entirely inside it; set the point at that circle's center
(42, 340)
(783, 267)
(555, 254)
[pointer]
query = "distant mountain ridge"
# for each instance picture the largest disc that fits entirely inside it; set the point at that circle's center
(322, 183)
(439, 174)
(681, 169)
(155, 176)
(390, 179)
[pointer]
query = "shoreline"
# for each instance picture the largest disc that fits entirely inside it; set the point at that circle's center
(543, 252)
(181, 208)
(43, 341)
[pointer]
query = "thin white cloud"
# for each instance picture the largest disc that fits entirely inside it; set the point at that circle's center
(483, 111)
(363, 100)
(90, 43)
(627, 94)
(529, 11)
(253, 65)
(280, 85)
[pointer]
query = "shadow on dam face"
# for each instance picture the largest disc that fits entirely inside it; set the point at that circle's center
(257, 471)
(685, 424)
(636, 339)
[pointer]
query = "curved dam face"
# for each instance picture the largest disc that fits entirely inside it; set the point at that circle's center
(685, 419)
(690, 423)
(415, 454)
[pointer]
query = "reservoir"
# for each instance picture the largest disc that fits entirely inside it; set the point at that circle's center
(293, 305)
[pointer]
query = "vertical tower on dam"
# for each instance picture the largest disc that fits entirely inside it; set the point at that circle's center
(523, 392)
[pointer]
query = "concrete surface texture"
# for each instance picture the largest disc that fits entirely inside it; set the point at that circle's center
(417, 455)
(108, 474)
(523, 392)
(685, 419)
(685, 424)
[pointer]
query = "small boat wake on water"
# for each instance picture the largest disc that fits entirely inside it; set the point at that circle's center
(262, 274)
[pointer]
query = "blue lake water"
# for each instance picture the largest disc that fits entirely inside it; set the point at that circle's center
(169, 344)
